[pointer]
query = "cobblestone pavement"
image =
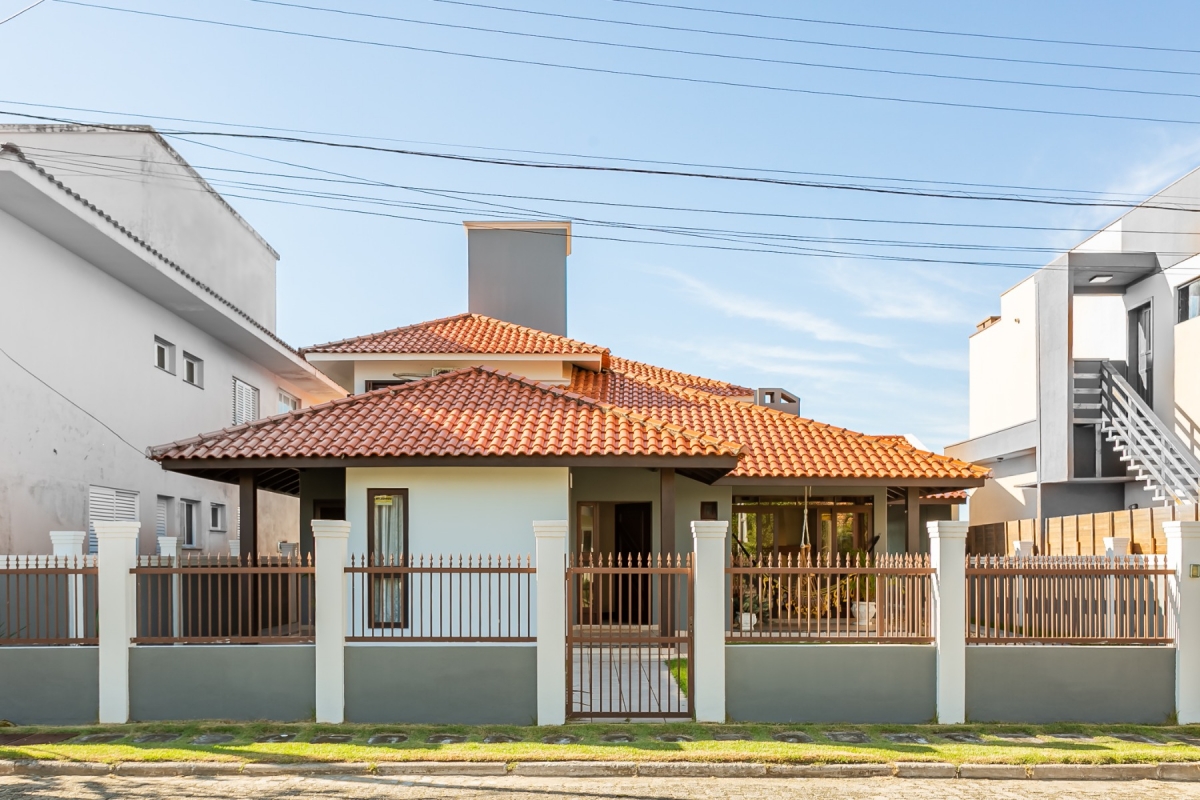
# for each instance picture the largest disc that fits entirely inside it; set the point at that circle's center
(518, 788)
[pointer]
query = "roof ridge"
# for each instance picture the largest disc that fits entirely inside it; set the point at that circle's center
(21, 156)
(454, 318)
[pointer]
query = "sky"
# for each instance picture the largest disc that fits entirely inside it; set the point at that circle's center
(854, 289)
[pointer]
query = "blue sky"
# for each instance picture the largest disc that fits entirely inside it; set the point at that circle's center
(871, 343)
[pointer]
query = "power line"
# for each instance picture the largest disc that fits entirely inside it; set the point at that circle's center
(815, 42)
(101, 422)
(727, 56)
(635, 74)
(29, 7)
(555, 153)
(812, 21)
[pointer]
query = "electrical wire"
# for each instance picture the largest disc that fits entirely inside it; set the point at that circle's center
(29, 7)
(726, 56)
(1055, 112)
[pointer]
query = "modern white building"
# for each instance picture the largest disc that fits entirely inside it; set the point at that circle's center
(138, 307)
(1085, 388)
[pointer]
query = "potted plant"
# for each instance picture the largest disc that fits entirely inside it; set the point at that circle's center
(750, 608)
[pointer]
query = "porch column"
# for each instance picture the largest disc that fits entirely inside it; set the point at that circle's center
(707, 659)
(879, 520)
(551, 538)
(168, 548)
(666, 510)
(912, 509)
(330, 540)
(68, 551)
(1183, 591)
(116, 545)
(248, 515)
(948, 556)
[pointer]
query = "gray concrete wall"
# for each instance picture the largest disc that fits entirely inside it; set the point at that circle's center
(249, 682)
(466, 684)
(1070, 684)
(869, 683)
(49, 685)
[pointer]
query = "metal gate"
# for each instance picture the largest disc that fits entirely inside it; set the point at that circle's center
(629, 635)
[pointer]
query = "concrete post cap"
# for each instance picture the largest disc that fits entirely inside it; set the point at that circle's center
(67, 537)
(947, 529)
(116, 530)
(550, 529)
(1180, 529)
(330, 529)
(709, 529)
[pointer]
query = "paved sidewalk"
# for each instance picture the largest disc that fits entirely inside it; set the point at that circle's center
(517, 788)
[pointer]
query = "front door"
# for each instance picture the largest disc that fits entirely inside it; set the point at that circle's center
(1141, 352)
(634, 542)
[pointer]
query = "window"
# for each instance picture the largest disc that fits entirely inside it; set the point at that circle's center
(164, 355)
(245, 402)
(216, 516)
(109, 505)
(387, 542)
(287, 402)
(1189, 301)
(193, 370)
(188, 511)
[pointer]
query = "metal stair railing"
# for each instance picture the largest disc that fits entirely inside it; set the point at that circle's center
(1145, 442)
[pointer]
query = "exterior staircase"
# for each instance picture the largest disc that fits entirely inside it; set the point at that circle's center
(1149, 449)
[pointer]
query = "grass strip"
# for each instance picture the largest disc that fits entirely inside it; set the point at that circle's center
(1101, 745)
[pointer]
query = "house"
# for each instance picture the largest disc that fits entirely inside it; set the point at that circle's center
(460, 431)
(1085, 388)
(137, 304)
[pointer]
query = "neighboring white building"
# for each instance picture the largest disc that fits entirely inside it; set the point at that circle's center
(138, 307)
(1090, 373)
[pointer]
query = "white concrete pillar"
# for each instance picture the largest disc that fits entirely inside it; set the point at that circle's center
(551, 538)
(707, 659)
(1023, 548)
(948, 556)
(68, 545)
(168, 553)
(116, 555)
(1183, 557)
(1116, 546)
(330, 545)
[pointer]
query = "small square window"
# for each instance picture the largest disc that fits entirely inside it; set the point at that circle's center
(287, 402)
(1189, 301)
(164, 355)
(216, 514)
(193, 370)
(189, 513)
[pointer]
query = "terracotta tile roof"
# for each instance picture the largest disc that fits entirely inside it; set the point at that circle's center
(464, 333)
(775, 444)
(474, 411)
(710, 385)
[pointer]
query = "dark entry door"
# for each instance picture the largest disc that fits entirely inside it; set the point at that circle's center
(633, 542)
(1141, 352)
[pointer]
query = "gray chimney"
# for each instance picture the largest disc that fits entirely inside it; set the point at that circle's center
(517, 272)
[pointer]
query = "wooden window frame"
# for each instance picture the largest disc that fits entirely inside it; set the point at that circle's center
(403, 579)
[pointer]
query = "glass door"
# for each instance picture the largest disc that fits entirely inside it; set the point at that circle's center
(1141, 352)
(387, 545)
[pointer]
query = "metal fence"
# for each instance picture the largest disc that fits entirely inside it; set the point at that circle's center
(843, 598)
(199, 599)
(48, 600)
(629, 636)
(1068, 600)
(441, 599)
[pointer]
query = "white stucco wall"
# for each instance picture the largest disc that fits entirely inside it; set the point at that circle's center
(1002, 498)
(1003, 377)
(142, 183)
(1099, 327)
(463, 510)
(1187, 383)
(91, 338)
(554, 371)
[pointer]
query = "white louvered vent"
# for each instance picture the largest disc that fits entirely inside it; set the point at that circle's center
(109, 505)
(245, 402)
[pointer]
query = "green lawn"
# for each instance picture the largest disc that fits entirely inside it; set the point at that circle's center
(1102, 748)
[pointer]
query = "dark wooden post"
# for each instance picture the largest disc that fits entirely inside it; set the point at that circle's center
(248, 550)
(912, 507)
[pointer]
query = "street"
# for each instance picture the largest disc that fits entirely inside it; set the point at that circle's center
(518, 788)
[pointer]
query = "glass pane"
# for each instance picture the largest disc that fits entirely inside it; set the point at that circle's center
(845, 533)
(387, 546)
(587, 528)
